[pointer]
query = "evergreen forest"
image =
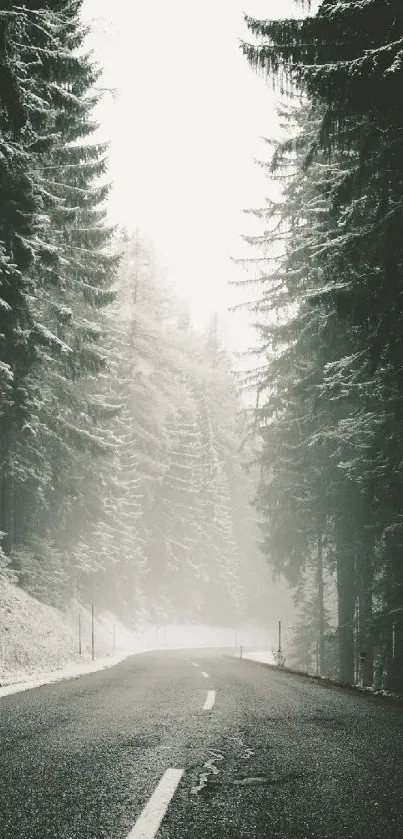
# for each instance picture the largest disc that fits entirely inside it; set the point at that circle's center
(133, 474)
(122, 435)
(327, 278)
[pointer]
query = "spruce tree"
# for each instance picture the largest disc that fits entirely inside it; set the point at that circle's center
(346, 60)
(64, 273)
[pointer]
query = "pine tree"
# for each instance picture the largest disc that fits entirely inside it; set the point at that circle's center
(64, 280)
(352, 80)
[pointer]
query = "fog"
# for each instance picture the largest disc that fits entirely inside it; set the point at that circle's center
(201, 402)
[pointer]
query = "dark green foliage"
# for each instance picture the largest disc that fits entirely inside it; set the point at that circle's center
(120, 477)
(349, 55)
(56, 273)
(338, 380)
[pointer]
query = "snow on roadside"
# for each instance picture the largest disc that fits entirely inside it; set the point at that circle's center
(39, 644)
(263, 656)
(70, 671)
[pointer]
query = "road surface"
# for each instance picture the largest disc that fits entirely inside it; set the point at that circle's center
(196, 745)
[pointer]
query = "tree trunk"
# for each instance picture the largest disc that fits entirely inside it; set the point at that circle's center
(394, 676)
(380, 668)
(365, 644)
(346, 603)
(321, 605)
(7, 492)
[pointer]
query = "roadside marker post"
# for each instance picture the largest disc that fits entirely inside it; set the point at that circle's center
(92, 633)
(280, 660)
(79, 631)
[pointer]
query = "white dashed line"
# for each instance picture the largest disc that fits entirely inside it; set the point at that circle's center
(195, 665)
(206, 675)
(209, 700)
(148, 822)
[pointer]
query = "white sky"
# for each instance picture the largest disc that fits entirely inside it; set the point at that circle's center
(184, 128)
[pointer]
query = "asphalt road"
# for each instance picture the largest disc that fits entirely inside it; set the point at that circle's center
(276, 756)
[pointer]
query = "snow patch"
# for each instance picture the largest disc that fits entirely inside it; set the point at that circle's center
(39, 644)
(263, 656)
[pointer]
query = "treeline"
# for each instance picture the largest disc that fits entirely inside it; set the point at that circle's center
(56, 265)
(120, 431)
(330, 320)
(173, 530)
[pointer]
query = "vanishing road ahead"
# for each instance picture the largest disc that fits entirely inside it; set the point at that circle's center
(226, 749)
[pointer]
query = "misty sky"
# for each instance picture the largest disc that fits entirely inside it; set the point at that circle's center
(184, 128)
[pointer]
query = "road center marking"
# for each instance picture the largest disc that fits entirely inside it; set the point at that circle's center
(148, 822)
(195, 665)
(206, 676)
(209, 700)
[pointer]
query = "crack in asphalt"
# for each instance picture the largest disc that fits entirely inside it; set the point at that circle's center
(265, 779)
(211, 770)
(208, 782)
